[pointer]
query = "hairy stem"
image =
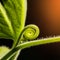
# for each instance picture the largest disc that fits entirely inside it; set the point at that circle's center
(32, 43)
(39, 42)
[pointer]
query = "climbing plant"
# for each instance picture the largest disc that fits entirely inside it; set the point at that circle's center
(12, 26)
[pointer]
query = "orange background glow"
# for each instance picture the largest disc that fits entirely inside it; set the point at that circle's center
(45, 14)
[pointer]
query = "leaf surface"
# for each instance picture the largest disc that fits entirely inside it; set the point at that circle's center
(12, 18)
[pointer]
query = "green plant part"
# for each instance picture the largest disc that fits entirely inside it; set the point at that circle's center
(3, 51)
(31, 43)
(33, 32)
(12, 18)
(30, 32)
(12, 26)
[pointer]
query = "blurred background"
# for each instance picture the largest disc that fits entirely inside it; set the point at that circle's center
(46, 15)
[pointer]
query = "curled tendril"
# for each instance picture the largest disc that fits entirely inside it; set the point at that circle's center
(30, 32)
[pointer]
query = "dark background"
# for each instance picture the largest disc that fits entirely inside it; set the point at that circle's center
(46, 15)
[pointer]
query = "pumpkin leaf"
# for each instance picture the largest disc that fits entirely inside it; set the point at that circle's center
(12, 18)
(3, 51)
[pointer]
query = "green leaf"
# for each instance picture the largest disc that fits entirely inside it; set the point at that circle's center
(12, 18)
(3, 51)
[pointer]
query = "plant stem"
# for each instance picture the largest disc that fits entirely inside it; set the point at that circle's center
(32, 43)
(39, 42)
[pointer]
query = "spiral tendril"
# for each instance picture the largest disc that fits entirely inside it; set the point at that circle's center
(30, 32)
